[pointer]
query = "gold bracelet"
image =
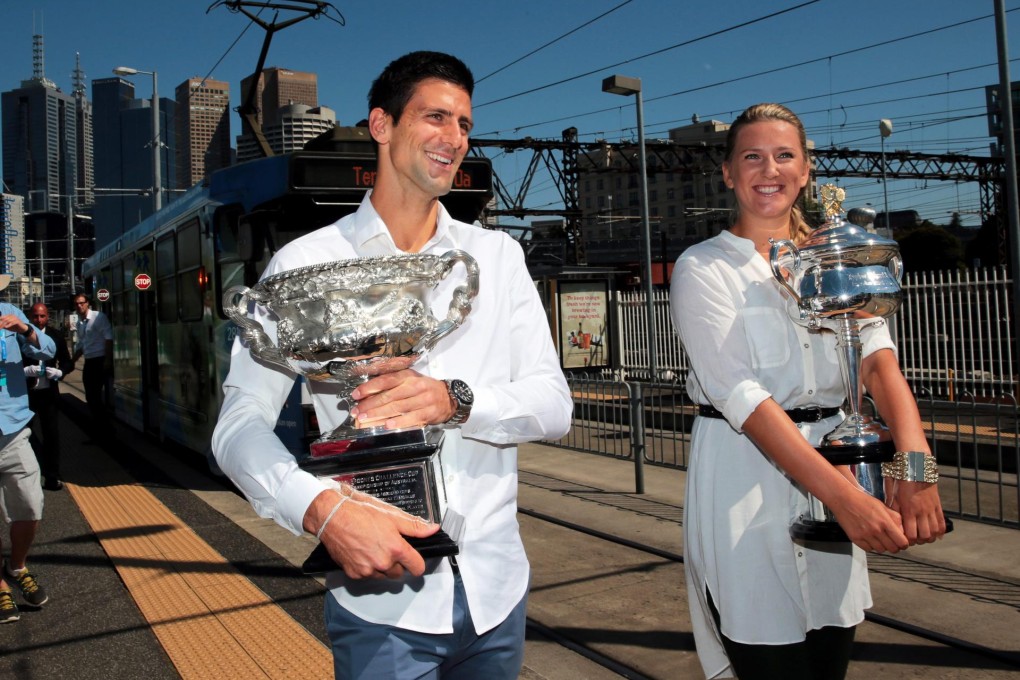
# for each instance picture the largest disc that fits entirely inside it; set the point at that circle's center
(912, 466)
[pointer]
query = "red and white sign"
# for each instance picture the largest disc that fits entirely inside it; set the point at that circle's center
(143, 281)
(102, 295)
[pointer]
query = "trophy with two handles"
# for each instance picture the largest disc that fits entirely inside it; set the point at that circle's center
(343, 322)
(843, 278)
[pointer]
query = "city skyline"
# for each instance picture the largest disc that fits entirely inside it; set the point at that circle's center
(841, 71)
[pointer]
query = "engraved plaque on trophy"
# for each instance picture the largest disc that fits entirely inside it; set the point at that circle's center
(842, 278)
(344, 322)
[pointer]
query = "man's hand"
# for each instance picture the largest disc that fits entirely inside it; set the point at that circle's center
(13, 323)
(366, 536)
(920, 507)
(402, 399)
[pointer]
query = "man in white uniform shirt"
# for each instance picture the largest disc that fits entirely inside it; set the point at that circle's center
(95, 343)
(389, 613)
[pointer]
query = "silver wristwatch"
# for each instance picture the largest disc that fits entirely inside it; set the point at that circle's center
(912, 466)
(462, 395)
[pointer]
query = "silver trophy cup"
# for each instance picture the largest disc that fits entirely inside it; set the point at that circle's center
(843, 278)
(343, 322)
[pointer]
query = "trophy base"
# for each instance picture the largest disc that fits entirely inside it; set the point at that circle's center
(808, 529)
(864, 456)
(400, 467)
(438, 544)
(859, 447)
(373, 440)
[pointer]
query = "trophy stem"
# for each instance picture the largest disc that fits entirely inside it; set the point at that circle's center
(848, 348)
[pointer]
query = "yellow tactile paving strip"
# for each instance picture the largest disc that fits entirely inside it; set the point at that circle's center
(211, 620)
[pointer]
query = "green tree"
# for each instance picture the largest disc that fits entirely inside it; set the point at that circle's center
(985, 247)
(930, 248)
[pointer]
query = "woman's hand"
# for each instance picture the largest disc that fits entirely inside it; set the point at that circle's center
(868, 522)
(920, 508)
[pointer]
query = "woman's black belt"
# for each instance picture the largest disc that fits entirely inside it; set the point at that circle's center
(808, 414)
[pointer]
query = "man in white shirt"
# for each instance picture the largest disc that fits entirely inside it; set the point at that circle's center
(390, 613)
(95, 343)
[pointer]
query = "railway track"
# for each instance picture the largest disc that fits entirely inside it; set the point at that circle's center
(582, 526)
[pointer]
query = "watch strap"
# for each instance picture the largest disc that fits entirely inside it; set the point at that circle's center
(462, 411)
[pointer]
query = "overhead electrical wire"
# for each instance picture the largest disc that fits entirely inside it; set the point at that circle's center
(553, 41)
(650, 54)
(737, 79)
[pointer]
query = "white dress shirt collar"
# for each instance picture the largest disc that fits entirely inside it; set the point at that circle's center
(371, 237)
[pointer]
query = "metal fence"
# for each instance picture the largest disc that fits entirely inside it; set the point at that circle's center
(649, 423)
(953, 333)
(954, 339)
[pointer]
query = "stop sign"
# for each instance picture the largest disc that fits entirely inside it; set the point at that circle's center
(102, 295)
(143, 281)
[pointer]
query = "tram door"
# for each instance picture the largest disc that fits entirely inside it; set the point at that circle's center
(149, 346)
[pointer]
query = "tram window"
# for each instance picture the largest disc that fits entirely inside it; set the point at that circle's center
(118, 299)
(189, 271)
(166, 279)
(117, 277)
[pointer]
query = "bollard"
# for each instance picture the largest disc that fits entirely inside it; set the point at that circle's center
(637, 435)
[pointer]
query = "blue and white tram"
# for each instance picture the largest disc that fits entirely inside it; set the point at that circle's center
(171, 338)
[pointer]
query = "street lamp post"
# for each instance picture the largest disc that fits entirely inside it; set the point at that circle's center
(156, 180)
(70, 244)
(885, 129)
(622, 85)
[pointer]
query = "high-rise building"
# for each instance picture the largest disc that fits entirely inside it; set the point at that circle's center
(296, 125)
(123, 139)
(203, 129)
(275, 89)
(278, 87)
(83, 122)
(40, 135)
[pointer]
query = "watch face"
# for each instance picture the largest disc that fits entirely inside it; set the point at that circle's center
(461, 391)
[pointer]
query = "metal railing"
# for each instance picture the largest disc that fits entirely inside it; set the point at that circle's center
(649, 423)
(953, 334)
(954, 340)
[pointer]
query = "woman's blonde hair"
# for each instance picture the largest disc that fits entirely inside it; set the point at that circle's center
(799, 227)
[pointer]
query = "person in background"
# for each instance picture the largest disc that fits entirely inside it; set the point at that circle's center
(21, 497)
(493, 382)
(95, 343)
(763, 605)
(42, 377)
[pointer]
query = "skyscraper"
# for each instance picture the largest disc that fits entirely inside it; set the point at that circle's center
(40, 133)
(123, 138)
(83, 123)
(277, 89)
(296, 125)
(203, 129)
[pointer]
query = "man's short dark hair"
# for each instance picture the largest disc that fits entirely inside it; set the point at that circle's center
(393, 88)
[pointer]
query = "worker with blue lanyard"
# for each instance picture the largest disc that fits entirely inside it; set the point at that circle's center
(21, 497)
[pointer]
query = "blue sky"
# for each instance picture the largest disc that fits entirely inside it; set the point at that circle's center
(841, 64)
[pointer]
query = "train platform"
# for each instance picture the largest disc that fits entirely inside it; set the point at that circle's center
(157, 569)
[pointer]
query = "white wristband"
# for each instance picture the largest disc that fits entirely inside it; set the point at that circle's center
(322, 527)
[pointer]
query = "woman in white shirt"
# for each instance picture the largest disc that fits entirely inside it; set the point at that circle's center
(763, 605)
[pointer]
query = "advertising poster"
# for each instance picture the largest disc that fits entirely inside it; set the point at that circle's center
(584, 323)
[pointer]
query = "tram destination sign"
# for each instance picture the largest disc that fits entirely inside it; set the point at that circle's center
(143, 282)
(359, 172)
